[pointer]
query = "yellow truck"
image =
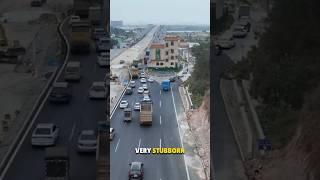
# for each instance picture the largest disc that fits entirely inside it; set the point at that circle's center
(102, 154)
(146, 113)
(80, 37)
(134, 72)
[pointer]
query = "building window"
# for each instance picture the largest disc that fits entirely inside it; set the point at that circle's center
(161, 64)
(172, 51)
(172, 64)
(157, 64)
(172, 57)
(167, 60)
(167, 45)
(167, 53)
(172, 43)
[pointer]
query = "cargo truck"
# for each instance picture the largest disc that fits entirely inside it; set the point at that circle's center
(166, 85)
(127, 115)
(80, 37)
(95, 15)
(57, 163)
(102, 153)
(134, 72)
(146, 113)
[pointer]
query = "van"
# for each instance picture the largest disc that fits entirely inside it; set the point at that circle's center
(72, 71)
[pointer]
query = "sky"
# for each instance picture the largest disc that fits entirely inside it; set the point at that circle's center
(166, 12)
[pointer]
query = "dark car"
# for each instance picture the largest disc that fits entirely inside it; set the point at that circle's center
(61, 93)
(136, 170)
(128, 91)
(36, 3)
(172, 79)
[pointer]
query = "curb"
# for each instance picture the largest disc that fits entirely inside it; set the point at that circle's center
(14, 147)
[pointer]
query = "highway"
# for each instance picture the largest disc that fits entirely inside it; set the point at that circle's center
(163, 133)
(81, 113)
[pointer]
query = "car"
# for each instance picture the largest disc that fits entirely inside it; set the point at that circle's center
(172, 79)
(124, 104)
(137, 106)
(239, 32)
(128, 91)
(98, 90)
(150, 80)
(142, 75)
(103, 59)
(140, 90)
(143, 80)
(61, 93)
(112, 133)
(145, 86)
(45, 134)
(74, 19)
(102, 44)
(146, 99)
(98, 33)
(73, 71)
(146, 91)
(36, 3)
(136, 170)
(87, 141)
(132, 84)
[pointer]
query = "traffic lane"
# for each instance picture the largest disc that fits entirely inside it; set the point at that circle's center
(226, 156)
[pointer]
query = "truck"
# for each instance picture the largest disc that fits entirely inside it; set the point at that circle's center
(166, 85)
(81, 8)
(95, 16)
(244, 11)
(80, 37)
(134, 72)
(146, 113)
(127, 115)
(102, 152)
(57, 163)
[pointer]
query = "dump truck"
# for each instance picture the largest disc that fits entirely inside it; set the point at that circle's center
(57, 163)
(134, 72)
(102, 153)
(80, 37)
(146, 113)
(166, 85)
(95, 15)
(127, 115)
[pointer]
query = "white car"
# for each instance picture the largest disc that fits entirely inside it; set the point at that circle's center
(87, 141)
(146, 98)
(143, 80)
(98, 90)
(226, 42)
(124, 104)
(74, 19)
(112, 133)
(146, 91)
(140, 90)
(45, 134)
(142, 75)
(137, 106)
(144, 86)
(103, 59)
(150, 80)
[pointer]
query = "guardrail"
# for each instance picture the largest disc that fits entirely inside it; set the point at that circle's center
(36, 108)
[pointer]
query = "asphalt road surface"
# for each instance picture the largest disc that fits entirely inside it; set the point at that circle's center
(82, 113)
(162, 133)
(225, 155)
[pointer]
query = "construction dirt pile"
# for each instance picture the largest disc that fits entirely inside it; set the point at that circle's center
(300, 159)
(198, 121)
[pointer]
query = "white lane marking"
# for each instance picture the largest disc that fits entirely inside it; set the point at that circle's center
(160, 103)
(117, 145)
(160, 142)
(160, 91)
(72, 132)
(175, 112)
(139, 143)
(160, 119)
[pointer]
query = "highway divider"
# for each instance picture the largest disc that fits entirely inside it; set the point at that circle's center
(14, 147)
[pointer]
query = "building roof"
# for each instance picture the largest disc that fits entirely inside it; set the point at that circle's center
(171, 38)
(157, 45)
(184, 45)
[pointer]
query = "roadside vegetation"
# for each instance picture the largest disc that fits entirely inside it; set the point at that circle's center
(285, 67)
(199, 82)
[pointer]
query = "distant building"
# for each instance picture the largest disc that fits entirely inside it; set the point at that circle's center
(165, 54)
(116, 23)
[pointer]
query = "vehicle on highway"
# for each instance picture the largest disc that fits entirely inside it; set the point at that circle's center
(61, 93)
(132, 84)
(74, 19)
(142, 75)
(147, 92)
(45, 134)
(124, 104)
(87, 141)
(36, 3)
(103, 59)
(143, 80)
(112, 134)
(80, 37)
(57, 163)
(102, 153)
(127, 115)
(140, 90)
(243, 23)
(239, 32)
(173, 79)
(150, 80)
(137, 106)
(129, 91)
(165, 85)
(98, 90)
(145, 86)
(225, 42)
(98, 33)
(136, 170)
(72, 71)
(102, 44)
(122, 61)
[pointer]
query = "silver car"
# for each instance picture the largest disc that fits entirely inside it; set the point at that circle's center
(87, 141)
(98, 90)
(45, 134)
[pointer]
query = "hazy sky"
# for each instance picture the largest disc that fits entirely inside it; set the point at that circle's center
(161, 11)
